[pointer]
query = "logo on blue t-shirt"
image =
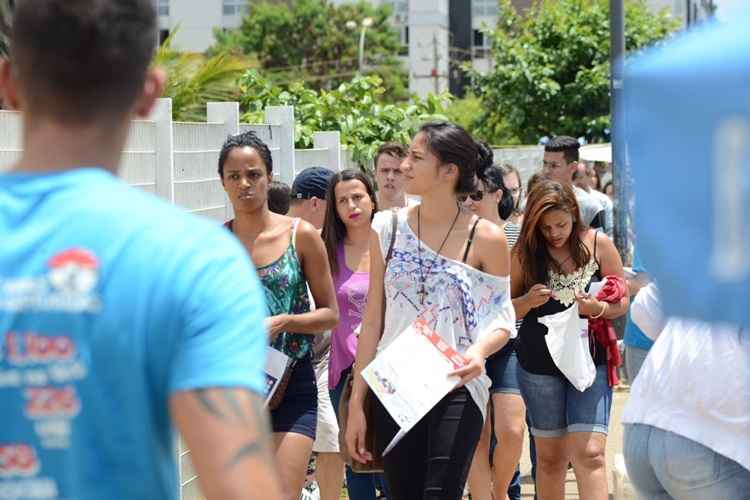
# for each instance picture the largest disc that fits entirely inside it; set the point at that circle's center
(67, 286)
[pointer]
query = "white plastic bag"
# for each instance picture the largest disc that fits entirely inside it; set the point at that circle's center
(568, 343)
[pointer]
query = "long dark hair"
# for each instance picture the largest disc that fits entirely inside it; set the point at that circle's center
(508, 169)
(532, 248)
(334, 230)
(492, 177)
(452, 144)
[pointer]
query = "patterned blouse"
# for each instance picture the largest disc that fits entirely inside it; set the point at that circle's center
(463, 304)
(286, 293)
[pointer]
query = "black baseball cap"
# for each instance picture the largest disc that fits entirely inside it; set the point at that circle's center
(311, 182)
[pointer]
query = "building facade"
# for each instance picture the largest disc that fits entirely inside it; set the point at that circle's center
(687, 11)
(195, 21)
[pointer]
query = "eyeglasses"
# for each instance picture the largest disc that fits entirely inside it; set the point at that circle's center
(475, 196)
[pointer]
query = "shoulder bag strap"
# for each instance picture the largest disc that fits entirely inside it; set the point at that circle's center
(388, 255)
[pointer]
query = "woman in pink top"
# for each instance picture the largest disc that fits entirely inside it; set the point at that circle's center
(346, 233)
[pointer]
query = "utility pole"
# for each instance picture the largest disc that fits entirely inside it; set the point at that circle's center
(622, 180)
(435, 59)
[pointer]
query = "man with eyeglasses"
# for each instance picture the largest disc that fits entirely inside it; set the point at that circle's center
(559, 164)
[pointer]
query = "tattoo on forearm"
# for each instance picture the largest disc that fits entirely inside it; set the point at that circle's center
(204, 398)
(228, 406)
(211, 401)
(231, 399)
(251, 448)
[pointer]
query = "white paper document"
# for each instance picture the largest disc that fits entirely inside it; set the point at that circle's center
(276, 363)
(410, 376)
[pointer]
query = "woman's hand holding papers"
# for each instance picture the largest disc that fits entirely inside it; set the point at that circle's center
(474, 365)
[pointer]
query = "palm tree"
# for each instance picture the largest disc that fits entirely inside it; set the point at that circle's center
(195, 79)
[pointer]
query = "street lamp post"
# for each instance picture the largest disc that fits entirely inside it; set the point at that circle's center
(622, 180)
(352, 25)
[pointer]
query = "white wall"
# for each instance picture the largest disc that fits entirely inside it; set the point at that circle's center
(527, 159)
(196, 20)
(178, 161)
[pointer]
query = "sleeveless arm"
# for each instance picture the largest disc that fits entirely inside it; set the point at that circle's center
(312, 255)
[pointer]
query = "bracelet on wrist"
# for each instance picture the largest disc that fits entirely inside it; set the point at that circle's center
(605, 306)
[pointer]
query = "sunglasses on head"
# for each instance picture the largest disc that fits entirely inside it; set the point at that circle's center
(475, 196)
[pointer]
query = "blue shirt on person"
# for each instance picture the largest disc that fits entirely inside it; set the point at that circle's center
(111, 300)
(634, 336)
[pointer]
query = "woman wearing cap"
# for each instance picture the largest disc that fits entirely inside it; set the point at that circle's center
(449, 268)
(289, 256)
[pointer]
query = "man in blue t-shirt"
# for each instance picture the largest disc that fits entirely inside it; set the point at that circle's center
(120, 316)
(637, 344)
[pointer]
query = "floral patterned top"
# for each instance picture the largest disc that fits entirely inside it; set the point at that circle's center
(531, 347)
(463, 304)
(286, 293)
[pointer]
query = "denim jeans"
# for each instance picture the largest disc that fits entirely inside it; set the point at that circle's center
(665, 466)
(554, 407)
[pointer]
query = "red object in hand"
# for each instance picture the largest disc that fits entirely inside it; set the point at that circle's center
(612, 292)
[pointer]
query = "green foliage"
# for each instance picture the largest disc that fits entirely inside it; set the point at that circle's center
(354, 108)
(309, 40)
(468, 112)
(194, 79)
(6, 16)
(551, 67)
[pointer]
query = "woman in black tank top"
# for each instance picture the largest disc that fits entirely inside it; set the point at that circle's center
(553, 266)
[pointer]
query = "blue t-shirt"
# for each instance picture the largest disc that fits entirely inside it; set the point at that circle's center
(634, 336)
(110, 301)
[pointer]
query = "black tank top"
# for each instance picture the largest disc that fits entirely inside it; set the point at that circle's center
(531, 347)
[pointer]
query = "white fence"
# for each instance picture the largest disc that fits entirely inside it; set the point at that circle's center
(527, 159)
(178, 161)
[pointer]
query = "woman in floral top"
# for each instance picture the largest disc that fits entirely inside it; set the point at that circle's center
(553, 265)
(289, 256)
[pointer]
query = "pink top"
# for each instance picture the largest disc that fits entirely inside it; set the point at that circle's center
(351, 295)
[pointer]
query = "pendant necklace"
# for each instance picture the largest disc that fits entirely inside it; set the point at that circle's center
(423, 275)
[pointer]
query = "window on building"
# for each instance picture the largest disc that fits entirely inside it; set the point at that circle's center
(162, 7)
(484, 7)
(404, 32)
(482, 45)
(235, 7)
(478, 38)
(400, 8)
